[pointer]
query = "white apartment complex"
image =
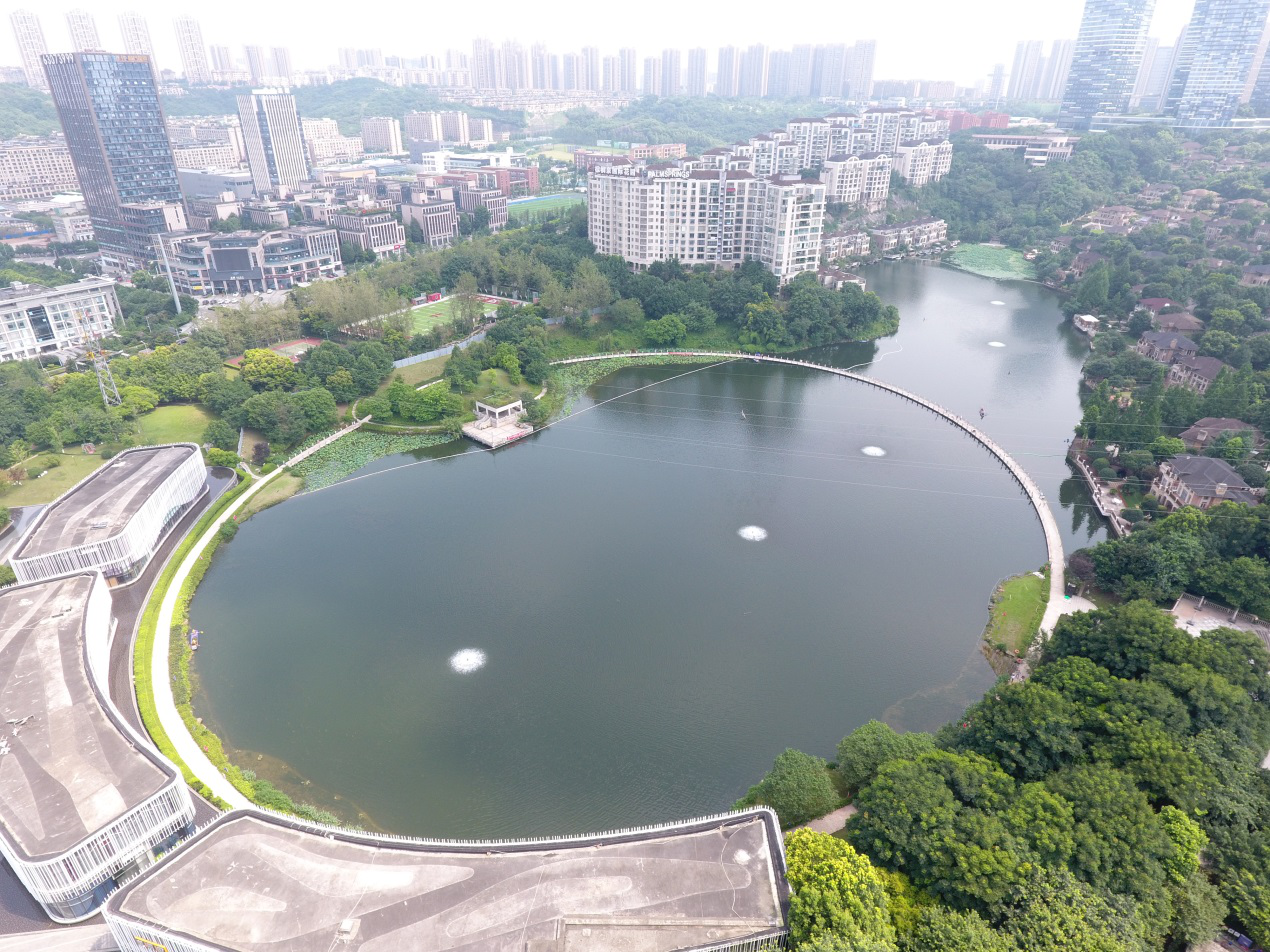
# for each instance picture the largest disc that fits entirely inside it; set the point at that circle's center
(37, 320)
(719, 217)
(863, 179)
(922, 162)
(209, 156)
(325, 143)
(374, 231)
(35, 168)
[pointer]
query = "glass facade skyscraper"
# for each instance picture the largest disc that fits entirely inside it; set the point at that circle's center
(1108, 53)
(1218, 51)
(108, 104)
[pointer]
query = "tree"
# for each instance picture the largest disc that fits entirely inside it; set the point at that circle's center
(797, 787)
(665, 331)
(217, 457)
(835, 892)
(259, 452)
(264, 369)
(1053, 912)
(221, 435)
(1128, 640)
(626, 313)
(342, 386)
(1198, 911)
(862, 752)
(939, 929)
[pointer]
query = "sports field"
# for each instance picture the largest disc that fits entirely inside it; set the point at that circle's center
(544, 203)
(428, 316)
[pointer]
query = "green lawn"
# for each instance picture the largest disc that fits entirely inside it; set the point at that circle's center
(416, 374)
(74, 467)
(178, 423)
(491, 380)
(428, 316)
(1017, 608)
(546, 203)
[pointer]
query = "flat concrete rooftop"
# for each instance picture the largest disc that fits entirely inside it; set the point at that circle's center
(102, 504)
(67, 768)
(252, 882)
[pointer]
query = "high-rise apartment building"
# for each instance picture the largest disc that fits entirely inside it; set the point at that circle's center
(1218, 50)
(423, 126)
(800, 71)
(1105, 61)
(778, 73)
(591, 76)
(281, 58)
(857, 70)
(1025, 73)
(695, 78)
(752, 78)
(652, 76)
(276, 153)
(136, 35)
(484, 73)
(189, 40)
(671, 81)
(83, 30)
(108, 104)
(381, 134)
(1054, 73)
(628, 82)
(612, 74)
(256, 66)
(828, 70)
(726, 80)
(30, 36)
(719, 217)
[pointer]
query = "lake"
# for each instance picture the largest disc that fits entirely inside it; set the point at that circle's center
(625, 618)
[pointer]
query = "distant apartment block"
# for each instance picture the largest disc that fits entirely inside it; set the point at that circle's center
(36, 320)
(382, 134)
(205, 157)
(449, 127)
(846, 244)
(911, 235)
(375, 231)
(275, 143)
(325, 144)
(242, 262)
(72, 228)
(438, 220)
(920, 163)
(666, 150)
(491, 199)
(32, 169)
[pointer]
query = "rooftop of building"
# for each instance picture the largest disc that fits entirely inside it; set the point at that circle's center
(102, 505)
(1171, 339)
(68, 766)
(281, 886)
(1213, 426)
(17, 290)
(1205, 474)
(1208, 367)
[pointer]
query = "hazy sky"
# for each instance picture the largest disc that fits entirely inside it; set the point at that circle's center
(927, 39)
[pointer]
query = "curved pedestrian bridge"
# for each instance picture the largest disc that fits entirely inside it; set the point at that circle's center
(1053, 540)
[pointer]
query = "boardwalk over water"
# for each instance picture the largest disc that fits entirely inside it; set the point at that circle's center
(1053, 540)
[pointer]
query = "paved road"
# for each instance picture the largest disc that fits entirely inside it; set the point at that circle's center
(829, 823)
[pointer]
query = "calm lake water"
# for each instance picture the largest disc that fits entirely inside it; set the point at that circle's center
(642, 660)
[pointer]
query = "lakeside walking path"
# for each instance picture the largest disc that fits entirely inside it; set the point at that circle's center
(1055, 607)
(187, 748)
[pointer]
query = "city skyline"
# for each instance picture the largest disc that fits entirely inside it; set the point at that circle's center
(998, 25)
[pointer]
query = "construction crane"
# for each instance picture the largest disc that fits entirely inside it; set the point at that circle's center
(105, 381)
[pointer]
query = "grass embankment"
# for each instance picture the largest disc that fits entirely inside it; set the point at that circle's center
(72, 466)
(423, 372)
(143, 650)
(177, 423)
(991, 261)
(1014, 618)
(258, 790)
(566, 384)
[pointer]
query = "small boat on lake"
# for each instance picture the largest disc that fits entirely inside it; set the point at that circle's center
(194, 639)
